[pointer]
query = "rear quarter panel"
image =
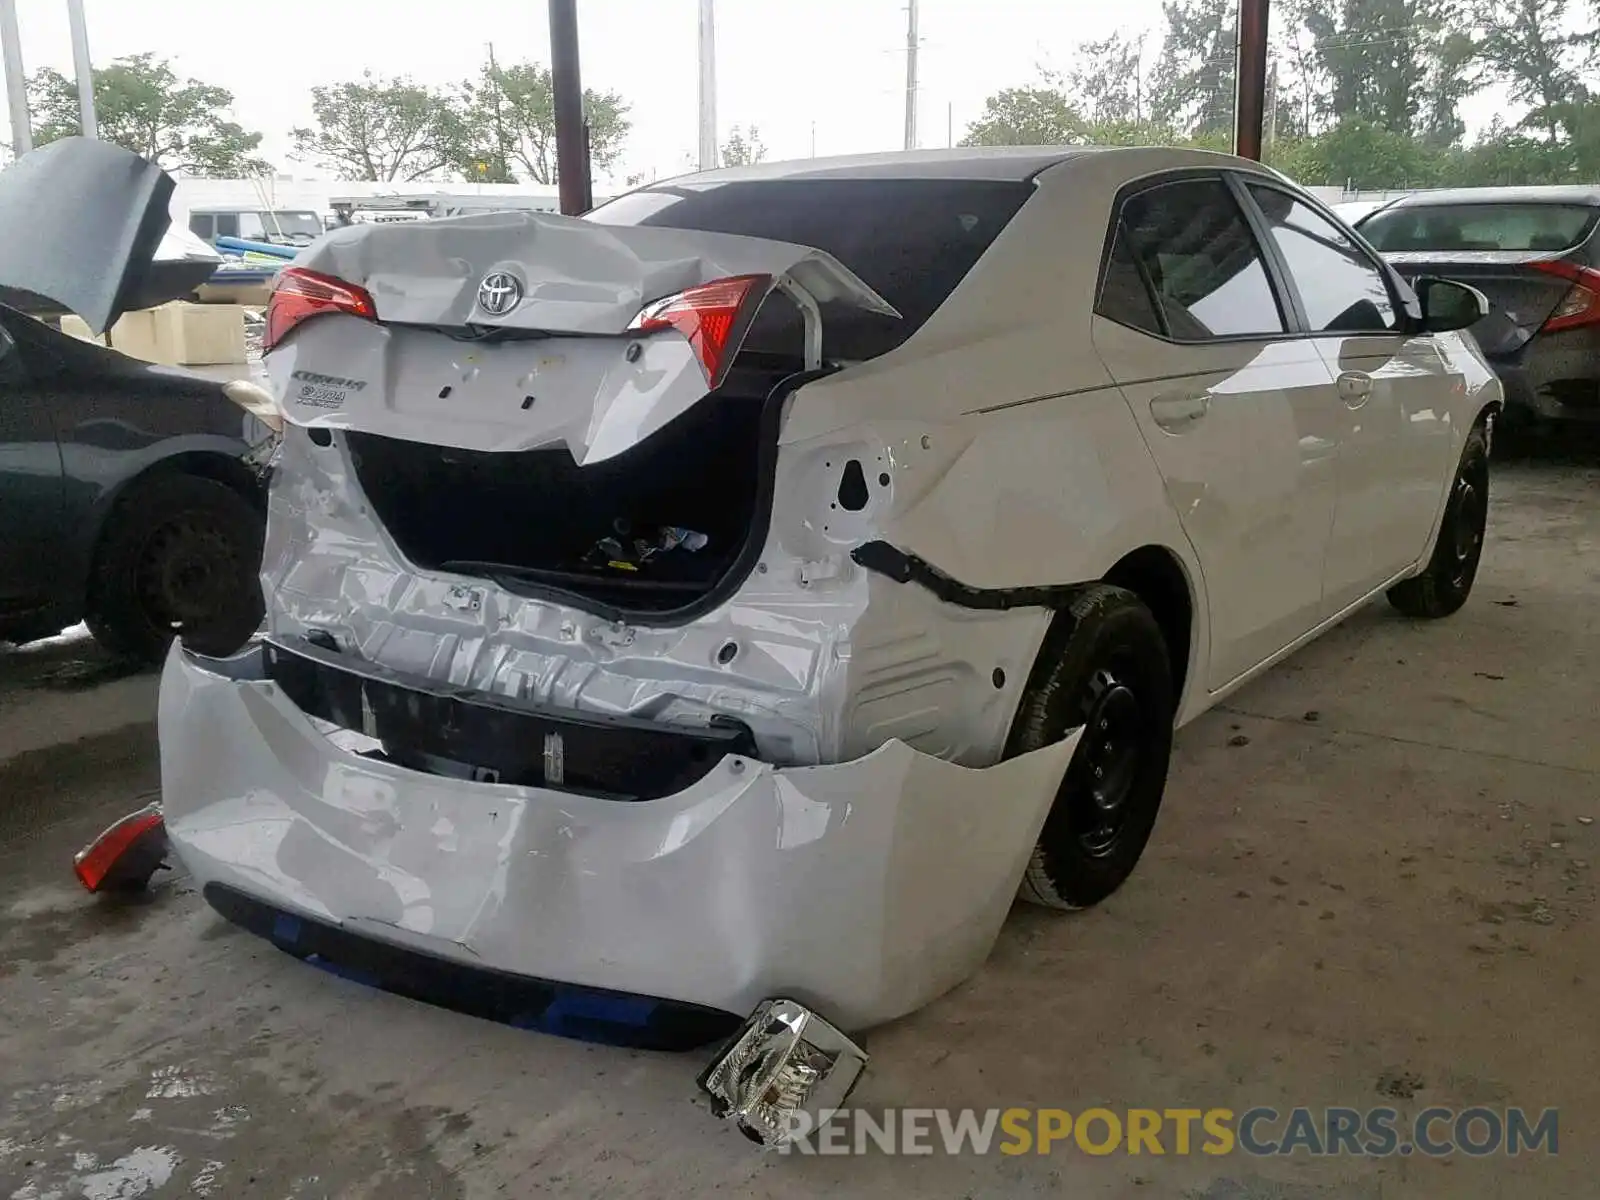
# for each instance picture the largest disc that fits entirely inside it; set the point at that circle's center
(1015, 461)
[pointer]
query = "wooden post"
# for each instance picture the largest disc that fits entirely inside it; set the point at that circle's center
(572, 155)
(1250, 106)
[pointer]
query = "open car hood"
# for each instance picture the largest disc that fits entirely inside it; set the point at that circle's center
(577, 276)
(80, 222)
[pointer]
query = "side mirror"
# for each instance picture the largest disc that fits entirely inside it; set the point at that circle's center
(1448, 306)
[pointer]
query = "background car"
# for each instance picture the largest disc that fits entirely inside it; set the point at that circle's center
(128, 495)
(1533, 251)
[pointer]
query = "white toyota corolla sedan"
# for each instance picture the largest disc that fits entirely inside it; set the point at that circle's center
(740, 593)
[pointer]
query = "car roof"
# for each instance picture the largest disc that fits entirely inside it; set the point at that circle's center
(993, 163)
(989, 163)
(1542, 194)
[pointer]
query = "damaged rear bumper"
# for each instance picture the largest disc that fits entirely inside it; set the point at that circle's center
(865, 889)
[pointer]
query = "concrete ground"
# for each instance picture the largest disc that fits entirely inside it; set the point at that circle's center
(1373, 883)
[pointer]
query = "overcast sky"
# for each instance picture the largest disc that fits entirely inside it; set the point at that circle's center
(783, 65)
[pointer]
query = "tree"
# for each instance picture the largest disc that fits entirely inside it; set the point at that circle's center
(742, 149)
(384, 130)
(513, 115)
(1192, 89)
(1534, 48)
(1106, 81)
(1027, 116)
(1403, 64)
(1361, 153)
(142, 105)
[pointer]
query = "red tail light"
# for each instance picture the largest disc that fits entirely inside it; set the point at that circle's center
(1581, 305)
(713, 316)
(299, 294)
(126, 855)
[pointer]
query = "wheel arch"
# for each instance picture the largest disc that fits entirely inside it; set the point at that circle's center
(220, 464)
(1160, 579)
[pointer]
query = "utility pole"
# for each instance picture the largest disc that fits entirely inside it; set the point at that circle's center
(16, 82)
(949, 125)
(708, 85)
(572, 153)
(83, 68)
(911, 74)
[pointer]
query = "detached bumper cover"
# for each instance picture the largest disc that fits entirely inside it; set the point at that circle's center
(865, 889)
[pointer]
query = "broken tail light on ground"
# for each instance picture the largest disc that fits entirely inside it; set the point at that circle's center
(300, 294)
(786, 1072)
(125, 856)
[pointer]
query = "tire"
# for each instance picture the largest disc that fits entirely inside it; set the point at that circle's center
(1445, 584)
(179, 555)
(1103, 665)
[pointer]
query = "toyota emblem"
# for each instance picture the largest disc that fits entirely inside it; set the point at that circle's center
(499, 293)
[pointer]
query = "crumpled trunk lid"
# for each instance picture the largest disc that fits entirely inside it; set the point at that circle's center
(575, 276)
(558, 365)
(1521, 296)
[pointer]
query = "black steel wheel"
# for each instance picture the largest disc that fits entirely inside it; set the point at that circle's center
(1446, 582)
(179, 556)
(1103, 667)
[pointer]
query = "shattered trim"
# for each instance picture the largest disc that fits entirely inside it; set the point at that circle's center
(564, 1009)
(901, 567)
(499, 738)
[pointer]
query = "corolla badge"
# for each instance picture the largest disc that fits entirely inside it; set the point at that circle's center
(499, 293)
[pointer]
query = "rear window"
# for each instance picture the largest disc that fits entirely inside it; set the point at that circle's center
(911, 240)
(1466, 227)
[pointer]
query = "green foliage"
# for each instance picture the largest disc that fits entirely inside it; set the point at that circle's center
(743, 149)
(1360, 153)
(142, 105)
(1027, 116)
(1193, 85)
(511, 113)
(1365, 93)
(1107, 81)
(384, 130)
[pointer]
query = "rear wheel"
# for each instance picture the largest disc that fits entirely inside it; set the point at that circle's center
(1104, 667)
(1443, 587)
(179, 556)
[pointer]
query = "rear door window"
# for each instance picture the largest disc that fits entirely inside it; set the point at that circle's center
(1202, 261)
(1461, 228)
(1341, 288)
(1125, 295)
(911, 240)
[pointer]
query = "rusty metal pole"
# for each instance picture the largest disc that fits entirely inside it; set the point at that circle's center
(572, 157)
(1250, 104)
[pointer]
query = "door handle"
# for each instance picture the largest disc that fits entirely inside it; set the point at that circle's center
(1179, 412)
(1355, 388)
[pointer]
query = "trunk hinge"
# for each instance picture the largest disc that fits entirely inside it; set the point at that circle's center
(812, 314)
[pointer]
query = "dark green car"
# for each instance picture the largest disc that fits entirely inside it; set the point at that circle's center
(129, 493)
